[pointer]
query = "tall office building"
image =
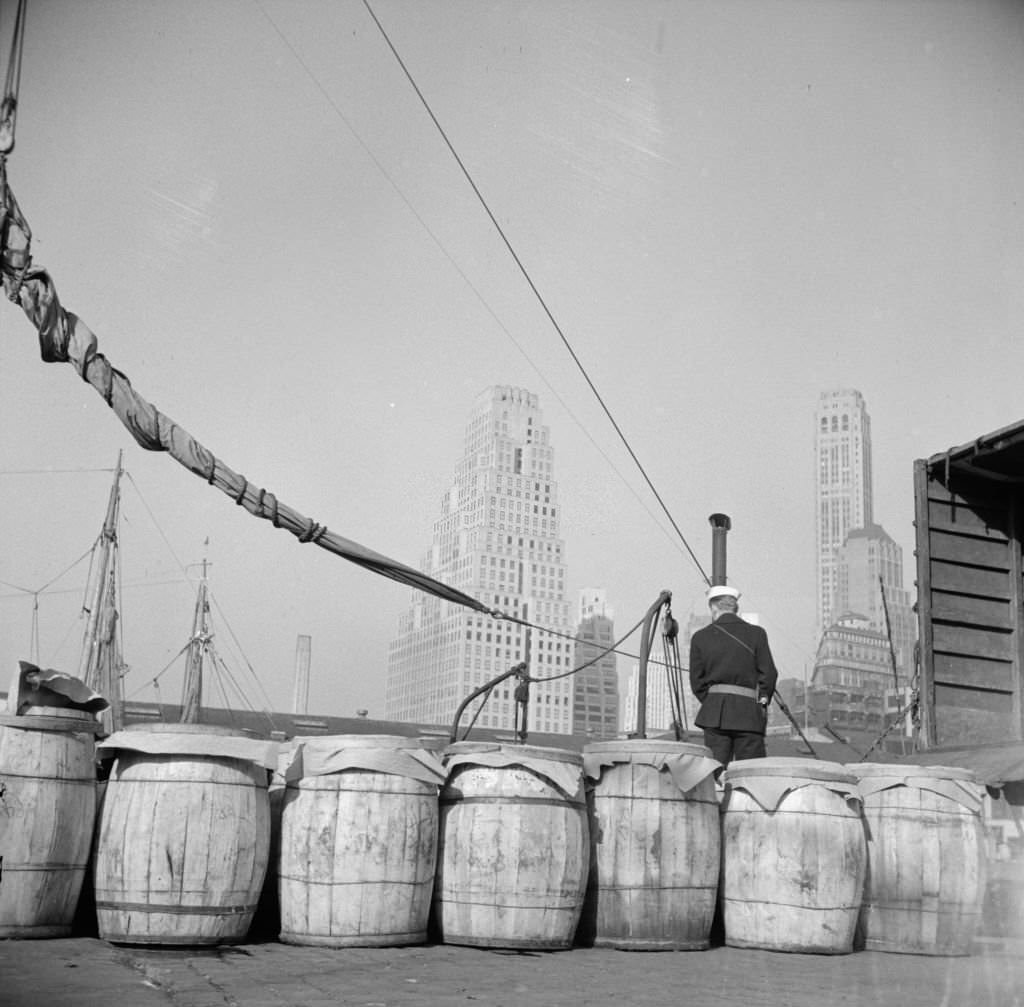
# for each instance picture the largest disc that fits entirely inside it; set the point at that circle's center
(595, 708)
(497, 539)
(844, 493)
(869, 563)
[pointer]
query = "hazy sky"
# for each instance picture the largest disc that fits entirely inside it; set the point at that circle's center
(728, 207)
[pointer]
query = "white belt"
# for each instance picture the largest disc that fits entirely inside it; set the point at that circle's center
(735, 690)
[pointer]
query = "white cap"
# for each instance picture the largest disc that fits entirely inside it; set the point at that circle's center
(722, 590)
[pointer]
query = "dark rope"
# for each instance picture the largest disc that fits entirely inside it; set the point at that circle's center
(12, 84)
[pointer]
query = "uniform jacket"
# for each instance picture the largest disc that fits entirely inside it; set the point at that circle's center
(731, 651)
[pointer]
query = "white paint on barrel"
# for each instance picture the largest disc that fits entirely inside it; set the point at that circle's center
(47, 809)
(793, 855)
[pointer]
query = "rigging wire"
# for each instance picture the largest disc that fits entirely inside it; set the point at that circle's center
(248, 664)
(501, 616)
(53, 580)
(224, 672)
(156, 525)
(584, 429)
(533, 287)
(184, 569)
(610, 650)
(34, 593)
(163, 671)
(220, 681)
(49, 472)
(136, 584)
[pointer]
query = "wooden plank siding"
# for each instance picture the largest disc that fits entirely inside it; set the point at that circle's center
(960, 578)
(969, 582)
(951, 513)
(966, 671)
(973, 642)
(953, 607)
(967, 550)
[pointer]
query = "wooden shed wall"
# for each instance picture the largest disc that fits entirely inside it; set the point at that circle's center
(969, 606)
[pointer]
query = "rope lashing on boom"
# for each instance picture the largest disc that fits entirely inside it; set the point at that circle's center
(65, 338)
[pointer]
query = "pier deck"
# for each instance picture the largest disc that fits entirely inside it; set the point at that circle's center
(89, 973)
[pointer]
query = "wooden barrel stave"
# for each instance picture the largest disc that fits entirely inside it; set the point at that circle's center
(925, 889)
(512, 857)
(793, 877)
(182, 849)
(655, 855)
(356, 867)
(49, 807)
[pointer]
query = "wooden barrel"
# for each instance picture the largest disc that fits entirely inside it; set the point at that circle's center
(513, 847)
(794, 855)
(359, 842)
(48, 807)
(926, 858)
(183, 839)
(654, 846)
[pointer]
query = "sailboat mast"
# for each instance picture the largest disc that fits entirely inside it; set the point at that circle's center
(192, 689)
(89, 662)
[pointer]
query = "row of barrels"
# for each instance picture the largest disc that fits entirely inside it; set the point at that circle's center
(382, 840)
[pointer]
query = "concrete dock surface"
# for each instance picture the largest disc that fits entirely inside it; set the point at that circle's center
(87, 972)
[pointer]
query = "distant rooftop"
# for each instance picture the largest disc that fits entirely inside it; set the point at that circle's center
(871, 530)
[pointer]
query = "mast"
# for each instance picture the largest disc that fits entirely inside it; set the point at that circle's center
(199, 644)
(100, 665)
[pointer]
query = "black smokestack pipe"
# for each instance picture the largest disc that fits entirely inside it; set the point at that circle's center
(720, 525)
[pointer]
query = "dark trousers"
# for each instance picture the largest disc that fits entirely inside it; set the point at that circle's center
(729, 745)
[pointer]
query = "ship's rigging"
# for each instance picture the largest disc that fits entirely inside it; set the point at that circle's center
(101, 666)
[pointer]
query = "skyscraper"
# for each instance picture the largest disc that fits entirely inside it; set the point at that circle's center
(844, 492)
(595, 708)
(497, 539)
(870, 562)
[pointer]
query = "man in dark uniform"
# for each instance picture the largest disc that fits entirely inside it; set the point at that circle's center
(733, 676)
